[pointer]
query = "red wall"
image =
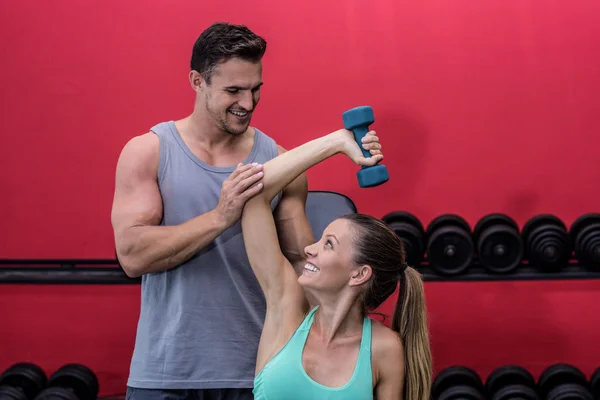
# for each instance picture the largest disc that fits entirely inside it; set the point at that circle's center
(481, 107)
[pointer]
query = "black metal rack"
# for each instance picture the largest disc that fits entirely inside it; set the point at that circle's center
(524, 272)
(108, 272)
(64, 271)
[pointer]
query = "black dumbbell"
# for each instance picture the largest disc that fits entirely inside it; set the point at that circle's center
(498, 243)
(595, 383)
(71, 382)
(511, 382)
(449, 245)
(585, 237)
(457, 382)
(22, 380)
(410, 230)
(547, 243)
(563, 381)
(12, 393)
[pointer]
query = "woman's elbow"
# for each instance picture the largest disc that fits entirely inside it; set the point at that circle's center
(259, 199)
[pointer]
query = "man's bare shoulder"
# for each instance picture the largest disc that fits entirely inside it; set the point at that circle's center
(143, 143)
(142, 149)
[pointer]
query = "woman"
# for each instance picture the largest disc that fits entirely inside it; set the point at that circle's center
(334, 350)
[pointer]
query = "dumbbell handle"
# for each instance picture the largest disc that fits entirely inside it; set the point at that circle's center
(359, 132)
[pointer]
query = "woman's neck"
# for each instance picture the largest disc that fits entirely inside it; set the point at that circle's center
(341, 317)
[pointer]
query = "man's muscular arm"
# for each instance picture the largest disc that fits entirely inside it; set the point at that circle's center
(143, 246)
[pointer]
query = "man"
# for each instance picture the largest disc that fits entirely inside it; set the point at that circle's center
(180, 190)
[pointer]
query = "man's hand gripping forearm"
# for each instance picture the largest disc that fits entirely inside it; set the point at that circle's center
(146, 248)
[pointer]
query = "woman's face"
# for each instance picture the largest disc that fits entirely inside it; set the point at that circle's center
(329, 262)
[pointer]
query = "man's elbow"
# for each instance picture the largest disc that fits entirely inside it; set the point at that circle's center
(133, 273)
(132, 264)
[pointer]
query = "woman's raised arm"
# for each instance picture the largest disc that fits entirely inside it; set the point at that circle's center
(271, 268)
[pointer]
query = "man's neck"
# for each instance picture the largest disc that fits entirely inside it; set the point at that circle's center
(201, 130)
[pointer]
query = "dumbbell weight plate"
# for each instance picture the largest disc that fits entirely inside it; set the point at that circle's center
(449, 245)
(29, 377)
(455, 376)
(557, 375)
(461, 393)
(515, 392)
(409, 228)
(508, 375)
(570, 391)
(585, 237)
(546, 242)
(499, 244)
(12, 393)
(57, 393)
(79, 378)
(595, 383)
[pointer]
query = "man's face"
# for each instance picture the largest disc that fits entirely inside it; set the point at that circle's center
(233, 94)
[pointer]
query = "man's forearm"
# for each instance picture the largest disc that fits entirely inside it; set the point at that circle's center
(283, 169)
(145, 249)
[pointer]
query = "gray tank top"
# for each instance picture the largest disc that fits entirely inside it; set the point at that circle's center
(200, 323)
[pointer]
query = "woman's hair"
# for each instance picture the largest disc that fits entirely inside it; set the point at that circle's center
(378, 246)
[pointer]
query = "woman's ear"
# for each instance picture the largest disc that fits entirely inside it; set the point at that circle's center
(360, 275)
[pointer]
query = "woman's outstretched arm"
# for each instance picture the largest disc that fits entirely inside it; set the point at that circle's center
(271, 268)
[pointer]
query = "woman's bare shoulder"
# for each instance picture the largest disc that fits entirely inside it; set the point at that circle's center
(387, 351)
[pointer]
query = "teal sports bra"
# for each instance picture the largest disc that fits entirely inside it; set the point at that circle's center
(284, 377)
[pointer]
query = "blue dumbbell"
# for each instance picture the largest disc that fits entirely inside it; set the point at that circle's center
(358, 120)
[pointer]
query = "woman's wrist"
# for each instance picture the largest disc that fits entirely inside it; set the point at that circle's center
(336, 140)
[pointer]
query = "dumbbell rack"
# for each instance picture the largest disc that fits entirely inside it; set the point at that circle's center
(418, 241)
(495, 249)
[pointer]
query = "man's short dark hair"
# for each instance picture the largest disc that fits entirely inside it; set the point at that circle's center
(223, 41)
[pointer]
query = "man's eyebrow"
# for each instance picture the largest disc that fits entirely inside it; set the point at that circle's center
(236, 87)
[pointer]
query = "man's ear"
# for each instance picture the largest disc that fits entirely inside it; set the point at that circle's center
(360, 275)
(197, 81)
